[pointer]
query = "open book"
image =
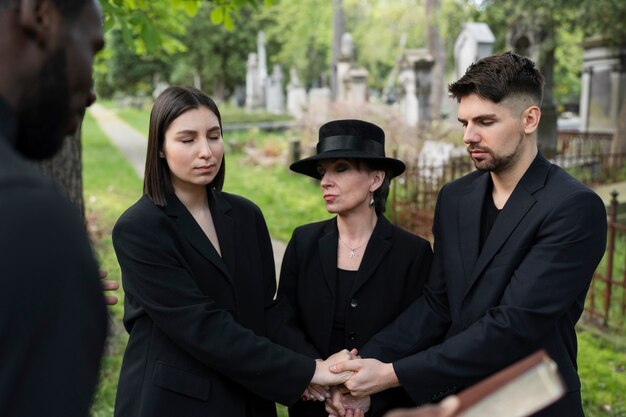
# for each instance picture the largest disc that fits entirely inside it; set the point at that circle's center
(519, 390)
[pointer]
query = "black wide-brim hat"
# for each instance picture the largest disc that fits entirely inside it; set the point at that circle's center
(343, 139)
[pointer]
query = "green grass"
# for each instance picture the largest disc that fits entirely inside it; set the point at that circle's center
(602, 370)
(110, 186)
(287, 200)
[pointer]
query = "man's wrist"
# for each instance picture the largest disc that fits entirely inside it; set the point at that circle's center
(389, 376)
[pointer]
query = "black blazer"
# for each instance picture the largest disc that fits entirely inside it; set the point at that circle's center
(195, 319)
(392, 273)
(53, 320)
(525, 291)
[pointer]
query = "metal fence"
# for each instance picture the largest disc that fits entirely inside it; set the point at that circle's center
(587, 157)
(414, 193)
(606, 300)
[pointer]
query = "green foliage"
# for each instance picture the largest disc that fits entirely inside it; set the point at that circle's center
(377, 27)
(603, 17)
(216, 55)
(303, 32)
(147, 26)
(602, 370)
(125, 69)
(452, 15)
(145, 37)
(571, 21)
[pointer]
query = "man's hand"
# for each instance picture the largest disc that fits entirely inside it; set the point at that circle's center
(109, 285)
(344, 404)
(370, 376)
(323, 376)
(446, 408)
(315, 392)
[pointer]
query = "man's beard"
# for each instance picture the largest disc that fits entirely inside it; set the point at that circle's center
(497, 163)
(43, 118)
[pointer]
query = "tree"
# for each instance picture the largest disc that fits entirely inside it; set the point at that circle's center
(438, 52)
(215, 59)
(570, 21)
(150, 27)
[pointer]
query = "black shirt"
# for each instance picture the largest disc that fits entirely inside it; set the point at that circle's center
(489, 215)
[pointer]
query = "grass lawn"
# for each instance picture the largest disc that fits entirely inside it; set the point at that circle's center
(110, 186)
(287, 201)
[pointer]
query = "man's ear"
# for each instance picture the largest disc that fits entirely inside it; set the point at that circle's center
(531, 116)
(40, 19)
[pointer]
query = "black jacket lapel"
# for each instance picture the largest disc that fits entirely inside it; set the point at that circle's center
(327, 247)
(516, 207)
(377, 247)
(225, 228)
(194, 234)
(470, 209)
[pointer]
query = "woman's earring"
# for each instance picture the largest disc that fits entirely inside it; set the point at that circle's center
(161, 154)
(372, 201)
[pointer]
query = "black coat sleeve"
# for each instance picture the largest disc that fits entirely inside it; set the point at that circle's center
(157, 276)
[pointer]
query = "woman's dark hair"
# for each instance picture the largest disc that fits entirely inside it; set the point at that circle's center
(170, 104)
(498, 77)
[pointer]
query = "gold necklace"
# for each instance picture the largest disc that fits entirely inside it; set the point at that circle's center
(352, 253)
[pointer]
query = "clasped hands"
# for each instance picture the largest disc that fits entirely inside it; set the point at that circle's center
(345, 382)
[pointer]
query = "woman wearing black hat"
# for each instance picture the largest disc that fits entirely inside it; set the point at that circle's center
(347, 277)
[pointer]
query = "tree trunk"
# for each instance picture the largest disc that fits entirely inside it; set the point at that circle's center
(438, 52)
(547, 130)
(67, 170)
(338, 29)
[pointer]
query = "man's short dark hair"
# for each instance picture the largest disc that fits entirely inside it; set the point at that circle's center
(498, 77)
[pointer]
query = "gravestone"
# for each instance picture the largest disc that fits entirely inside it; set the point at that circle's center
(407, 95)
(355, 85)
(319, 105)
(603, 85)
(275, 97)
(344, 63)
(256, 76)
(253, 98)
(423, 65)
(296, 95)
(473, 43)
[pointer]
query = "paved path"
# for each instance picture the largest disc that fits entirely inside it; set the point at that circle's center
(132, 144)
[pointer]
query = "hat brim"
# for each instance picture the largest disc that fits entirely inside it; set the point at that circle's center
(308, 166)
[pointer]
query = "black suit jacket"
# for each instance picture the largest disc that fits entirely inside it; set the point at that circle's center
(196, 319)
(524, 291)
(391, 276)
(53, 320)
